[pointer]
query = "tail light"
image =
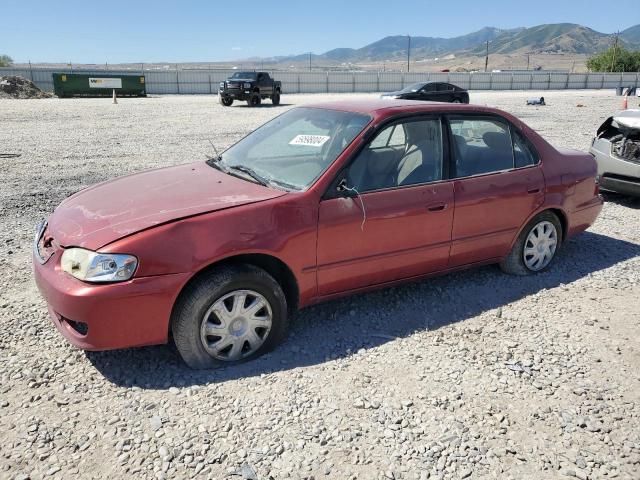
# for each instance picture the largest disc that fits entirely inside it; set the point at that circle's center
(596, 190)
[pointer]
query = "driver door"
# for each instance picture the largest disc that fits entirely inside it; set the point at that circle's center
(399, 223)
(265, 87)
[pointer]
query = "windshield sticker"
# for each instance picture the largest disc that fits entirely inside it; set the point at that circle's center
(309, 140)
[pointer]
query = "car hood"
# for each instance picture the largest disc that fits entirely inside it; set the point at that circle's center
(625, 121)
(108, 211)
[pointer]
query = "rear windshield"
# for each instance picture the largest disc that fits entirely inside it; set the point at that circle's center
(413, 88)
(245, 75)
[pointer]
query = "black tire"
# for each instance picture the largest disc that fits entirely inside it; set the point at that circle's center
(514, 263)
(275, 98)
(226, 101)
(194, 302)
(456, 100)
(254, 99)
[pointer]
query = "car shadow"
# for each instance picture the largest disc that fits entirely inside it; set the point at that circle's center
(265, 105)
(623, 200)
(339, 328)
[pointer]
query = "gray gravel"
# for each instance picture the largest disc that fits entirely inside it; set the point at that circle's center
(469, 375)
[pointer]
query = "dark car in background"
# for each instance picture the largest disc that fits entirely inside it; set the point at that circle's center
(252, 87)
(431, 91)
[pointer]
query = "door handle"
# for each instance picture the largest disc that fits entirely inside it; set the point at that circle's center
(437, 208)
(533, 190)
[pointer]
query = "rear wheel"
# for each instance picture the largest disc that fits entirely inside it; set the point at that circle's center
(535, 247)
(457, 100)
(254, 100)
(230, 315)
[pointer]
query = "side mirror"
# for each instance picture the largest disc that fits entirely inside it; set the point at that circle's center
(344, 190)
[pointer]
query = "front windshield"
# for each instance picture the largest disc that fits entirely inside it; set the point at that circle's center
(295, 148)
(413, 88)
(245, 75)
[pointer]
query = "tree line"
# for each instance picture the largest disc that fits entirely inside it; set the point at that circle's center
(6, 61)
(615, 59)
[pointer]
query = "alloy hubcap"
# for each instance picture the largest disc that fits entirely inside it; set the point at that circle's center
(540, 246)
(236, 325)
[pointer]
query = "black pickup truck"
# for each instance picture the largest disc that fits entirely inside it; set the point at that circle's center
(249, 86)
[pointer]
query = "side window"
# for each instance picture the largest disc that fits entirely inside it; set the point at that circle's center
(445, 87)
(403, 154)
(480, 145)
(397, 136)
(523, 152)
(392, 136)
(429, 87)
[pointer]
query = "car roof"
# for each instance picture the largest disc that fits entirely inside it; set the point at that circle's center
(386, 108)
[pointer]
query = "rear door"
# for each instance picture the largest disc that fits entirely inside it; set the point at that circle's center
(429, 92)
(265, 84)
(399, 224)
(445, 92)
(498, 185)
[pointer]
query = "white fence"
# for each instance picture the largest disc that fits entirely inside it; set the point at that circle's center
(207, 81)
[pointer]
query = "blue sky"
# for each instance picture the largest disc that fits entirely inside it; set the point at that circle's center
(187, 31)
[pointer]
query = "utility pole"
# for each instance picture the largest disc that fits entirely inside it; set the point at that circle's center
(486, 58)
(408, 51)
(615, 50)
(527, 61)
(309, 61)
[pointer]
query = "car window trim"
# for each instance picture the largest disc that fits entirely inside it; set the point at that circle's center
(331, 193)
(510, 125)
(529, 144)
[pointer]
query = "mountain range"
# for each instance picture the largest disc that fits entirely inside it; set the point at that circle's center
(548, 38)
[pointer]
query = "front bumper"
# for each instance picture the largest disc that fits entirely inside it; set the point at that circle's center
(108, 316)
(235, 94)
(620, 184)
(615, 174)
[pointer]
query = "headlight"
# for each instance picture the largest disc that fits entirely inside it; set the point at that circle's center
(98, 267)
(221, 84)
(247, 85)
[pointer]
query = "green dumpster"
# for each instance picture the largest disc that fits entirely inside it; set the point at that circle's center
(98, 85)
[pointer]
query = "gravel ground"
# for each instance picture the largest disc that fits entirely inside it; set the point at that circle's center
(469, 375)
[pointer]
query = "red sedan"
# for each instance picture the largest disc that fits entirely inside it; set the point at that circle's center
(320, 202)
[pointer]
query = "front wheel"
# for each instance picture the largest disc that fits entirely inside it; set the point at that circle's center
(275, 98)
(457, 100)
(535, 247)
(226, 101)
(230, 315)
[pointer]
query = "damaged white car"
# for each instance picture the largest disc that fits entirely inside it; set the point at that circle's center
(616, 149)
